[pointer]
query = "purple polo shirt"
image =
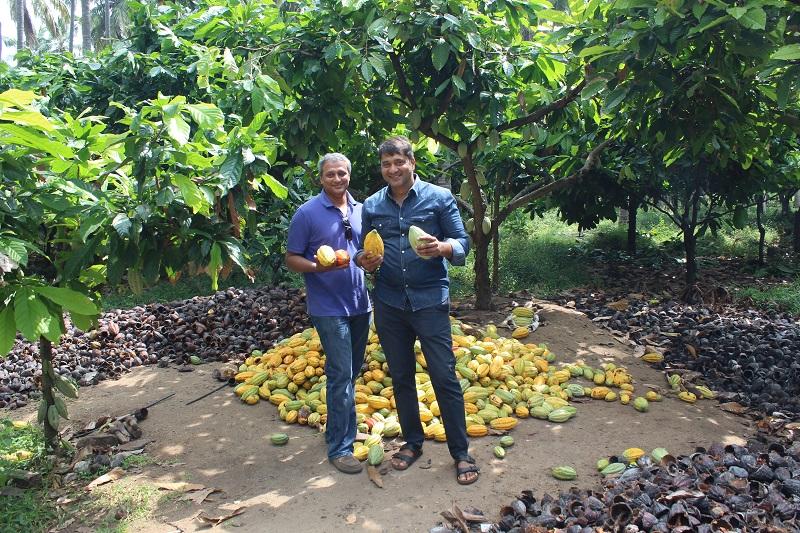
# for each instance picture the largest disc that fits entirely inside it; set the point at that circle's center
(340, 292)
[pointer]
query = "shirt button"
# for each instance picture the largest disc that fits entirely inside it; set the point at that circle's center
(406, 286)
(401, 218)
(404, 270)
(402, 234)
(402, 251)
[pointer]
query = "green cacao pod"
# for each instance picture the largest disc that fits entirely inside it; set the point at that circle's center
(65, 387)
(564, 473)
(658, 454)
(540, 412)
(414, 234)
(42, 414)
(279, 439)
(506, 441)
(602, 463)
(641, 404)
(613, 468)
(61, 406)
(559, 415)
(499, 452)
(52, 416)
(375, 455)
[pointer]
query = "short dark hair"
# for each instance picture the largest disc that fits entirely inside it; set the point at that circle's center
(396, 145)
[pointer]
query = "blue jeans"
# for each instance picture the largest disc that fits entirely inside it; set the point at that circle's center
(398, 329)
(344, 339)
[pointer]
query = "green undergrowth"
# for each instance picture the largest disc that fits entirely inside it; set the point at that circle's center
(782, 297)
(22, 448)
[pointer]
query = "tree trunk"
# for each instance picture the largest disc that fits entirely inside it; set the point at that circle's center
(483, 287)
(20, 25)
(86, 27)
(633, 206)
(46, 355)
(107, 21)
(762, 231)
(796, 240)
(71, 26)
(496, 243)
(690, 251)
(786, 208)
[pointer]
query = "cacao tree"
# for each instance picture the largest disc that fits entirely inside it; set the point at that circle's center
(82, 208)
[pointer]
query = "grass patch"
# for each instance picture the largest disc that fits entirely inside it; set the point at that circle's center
(186, 287)
(784, 297)
(117, 506)
(22, 448)
(31, 512)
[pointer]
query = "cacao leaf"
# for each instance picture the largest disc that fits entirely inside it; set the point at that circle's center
(69, 299)
(8, 330)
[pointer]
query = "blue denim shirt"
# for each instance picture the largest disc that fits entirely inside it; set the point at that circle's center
(404, 276)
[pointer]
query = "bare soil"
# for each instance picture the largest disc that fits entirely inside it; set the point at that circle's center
(220, 442)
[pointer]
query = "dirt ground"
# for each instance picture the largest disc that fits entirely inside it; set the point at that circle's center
(220, 442)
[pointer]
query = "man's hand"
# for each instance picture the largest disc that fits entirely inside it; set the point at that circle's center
(430, 246)
(370, 262)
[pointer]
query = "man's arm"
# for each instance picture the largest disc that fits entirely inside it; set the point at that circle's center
(454, 233)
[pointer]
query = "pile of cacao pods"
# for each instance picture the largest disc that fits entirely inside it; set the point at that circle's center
(722, 488)
(226, 325)
(746, 355)
(503, 380)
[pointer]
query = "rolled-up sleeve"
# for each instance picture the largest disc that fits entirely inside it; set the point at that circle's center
(454, 232)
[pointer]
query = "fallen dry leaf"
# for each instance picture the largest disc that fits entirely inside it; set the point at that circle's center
(692, 350)
(375, 476)
(112, 475)
(199, 496)
(456, 518)
(217, 520)
(733, 407)
(619, 305)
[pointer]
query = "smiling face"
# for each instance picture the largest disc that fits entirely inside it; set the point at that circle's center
(335, 178)
(398, 171)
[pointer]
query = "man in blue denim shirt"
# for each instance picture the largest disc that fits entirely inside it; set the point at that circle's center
(412, 298)
(336, 297)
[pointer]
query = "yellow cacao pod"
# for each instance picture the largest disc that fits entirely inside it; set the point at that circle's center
(503, 423)
(373, 243)
(326, 256)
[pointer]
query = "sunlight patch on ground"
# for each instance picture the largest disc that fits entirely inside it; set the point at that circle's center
(734, 439)
(712, 421)
(321, 482)
(209, 472)
(174, 449)
(273, 499)
(371, 525)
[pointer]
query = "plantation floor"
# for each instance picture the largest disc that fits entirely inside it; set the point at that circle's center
(221, 443)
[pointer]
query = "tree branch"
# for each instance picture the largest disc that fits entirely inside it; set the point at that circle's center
(402, 83)
(444, 102)
(592, 160)
(542, 112)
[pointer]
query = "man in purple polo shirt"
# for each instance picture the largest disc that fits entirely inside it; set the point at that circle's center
(336, 298)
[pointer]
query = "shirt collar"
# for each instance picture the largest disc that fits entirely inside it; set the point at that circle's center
(326, 201)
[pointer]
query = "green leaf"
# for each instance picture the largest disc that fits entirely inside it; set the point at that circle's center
(628, 4)
(33, 139)
(122, 224)
(277, 188)
(590, 51)
(32, 316)
(458, 82)
(736, 12)
(8, 330)
(178, 129)
(29, 118)
(739, 217)
(554, 15)
(214, 266)
(191, 193)
(207, 116)
(234, 252)
(754, 19)
(69, 299)
(615, 98)
(83, 322)
(713, 24)
(789, 52)
(231, 169)
(15, 250)
(593, 87)
(440, 54)
(17, 98)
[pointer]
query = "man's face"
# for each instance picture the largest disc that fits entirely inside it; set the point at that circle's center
(398, 170)
(335, 178)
